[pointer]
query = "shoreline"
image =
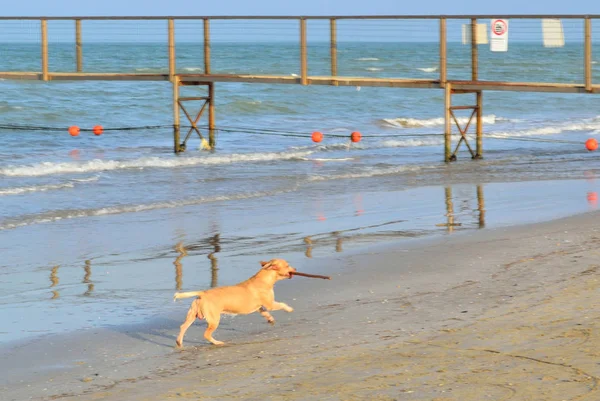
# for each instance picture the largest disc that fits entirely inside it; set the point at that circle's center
(430, 298)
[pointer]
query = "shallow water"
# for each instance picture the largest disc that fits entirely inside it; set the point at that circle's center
(123, 202)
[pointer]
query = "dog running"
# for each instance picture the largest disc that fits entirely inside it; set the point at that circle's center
(252, 295)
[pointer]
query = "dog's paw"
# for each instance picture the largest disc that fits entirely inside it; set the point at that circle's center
(289, 309)
(271, 322)
(217, 342)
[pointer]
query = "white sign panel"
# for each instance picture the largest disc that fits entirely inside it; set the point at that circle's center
(481, 34)
(499, 36)
(553, 33)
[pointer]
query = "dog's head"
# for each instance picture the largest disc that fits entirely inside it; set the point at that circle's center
(280, 266)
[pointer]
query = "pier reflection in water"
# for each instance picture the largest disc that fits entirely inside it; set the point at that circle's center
(465, 212)
(212, 244)
(87, 268)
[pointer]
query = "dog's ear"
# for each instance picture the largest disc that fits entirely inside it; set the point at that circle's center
(270, 265)
(263, 263)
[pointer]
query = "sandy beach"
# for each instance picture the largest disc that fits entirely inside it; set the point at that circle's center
(506, 313)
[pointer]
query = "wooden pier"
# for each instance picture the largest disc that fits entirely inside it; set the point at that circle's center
(207, 79)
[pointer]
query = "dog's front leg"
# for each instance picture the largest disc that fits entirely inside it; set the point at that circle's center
(264, 313)
(279, 305)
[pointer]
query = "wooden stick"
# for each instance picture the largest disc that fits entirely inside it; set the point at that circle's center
(310, 275)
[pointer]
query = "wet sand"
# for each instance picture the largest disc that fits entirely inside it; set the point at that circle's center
(500, 314)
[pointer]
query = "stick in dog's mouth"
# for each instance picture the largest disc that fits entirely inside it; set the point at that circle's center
(292, 274)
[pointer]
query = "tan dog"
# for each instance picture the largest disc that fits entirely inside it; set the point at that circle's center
(252, 295)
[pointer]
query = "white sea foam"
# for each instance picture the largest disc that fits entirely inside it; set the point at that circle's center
(373, 69)
(34, 188)
(428, 69)
(331, 159)
(429, 122)
(587, 125)
(44, 188)
(192, 69)
(411, 142)
(367, 59)
(50, 168)
(373, 172)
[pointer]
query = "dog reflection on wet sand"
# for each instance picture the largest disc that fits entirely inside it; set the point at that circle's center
(252, 295)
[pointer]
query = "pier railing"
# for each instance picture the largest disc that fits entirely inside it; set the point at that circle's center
(199, 48)
(459, 53)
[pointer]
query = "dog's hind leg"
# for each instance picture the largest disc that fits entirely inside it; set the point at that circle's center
(193, 313)
(213, 323)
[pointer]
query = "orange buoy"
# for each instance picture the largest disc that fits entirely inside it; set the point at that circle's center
(97, 130)
(355, 136)
(74, 130)
(591, 144)
(317, 136)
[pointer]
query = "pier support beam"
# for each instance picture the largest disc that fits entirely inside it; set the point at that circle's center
(450, 116)
(180, 104)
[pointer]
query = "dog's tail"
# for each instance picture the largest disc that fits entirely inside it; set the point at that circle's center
(187, 294)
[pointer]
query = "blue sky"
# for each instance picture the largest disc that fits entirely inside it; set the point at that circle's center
(224, 31)
(287, 7)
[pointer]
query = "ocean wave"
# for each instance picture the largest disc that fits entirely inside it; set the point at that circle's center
(588, 125)
(373, 69)
(58, 215)
(373, 172)
(430, 122)
(428, 69)
(330, 159)
(43, 188)
(410, 142)
(367, 59)
(50, 168)
(193, 69)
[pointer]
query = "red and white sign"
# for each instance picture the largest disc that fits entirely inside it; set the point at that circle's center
(499, 36)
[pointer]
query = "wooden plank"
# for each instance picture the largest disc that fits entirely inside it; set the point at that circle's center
(443, 53)
(588, 55)
(479, 126)
(44, 26)
(78, 46)
(333, 46)
(474, 53)
(303, 53)
(206, 46)
(171, 34)
(212, 142)
(176, 116)
(447, 122)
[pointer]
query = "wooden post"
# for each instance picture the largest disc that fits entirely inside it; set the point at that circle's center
(44, 49)
(206, 46)
(447, 122)
(176, 122)
(211, 115)
(303, 57)
(78, 48)
(479, 126)
(333, 32)
(171, 29)
(588, 55)
(443, 53)
(474, 56)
